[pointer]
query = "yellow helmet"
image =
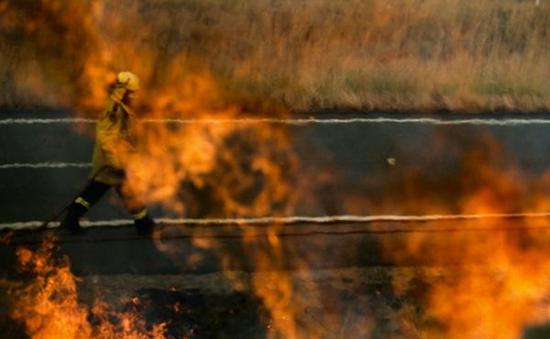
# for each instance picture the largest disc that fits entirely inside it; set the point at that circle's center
(129, 80)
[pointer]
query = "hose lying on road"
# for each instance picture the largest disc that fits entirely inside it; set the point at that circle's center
(280, 234)
(291, 220)
(236, 233)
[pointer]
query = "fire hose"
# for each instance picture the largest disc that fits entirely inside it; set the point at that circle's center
(288, 234)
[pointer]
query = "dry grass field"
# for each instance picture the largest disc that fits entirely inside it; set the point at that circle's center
(301, 55)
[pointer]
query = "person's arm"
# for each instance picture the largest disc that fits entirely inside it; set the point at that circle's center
(114, 143)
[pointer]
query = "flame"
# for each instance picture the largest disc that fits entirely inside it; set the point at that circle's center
(48, 306)
(497, 285)
(276, 290)
(300, 55)
(498, 300)
(47, 303)
(240, 170)
(214, 170)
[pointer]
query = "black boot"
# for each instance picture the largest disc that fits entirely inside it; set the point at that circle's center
(72, 219)
(144, 225)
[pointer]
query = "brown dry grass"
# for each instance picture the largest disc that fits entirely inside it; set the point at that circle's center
(374, 54)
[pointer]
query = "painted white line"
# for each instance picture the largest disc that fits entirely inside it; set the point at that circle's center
(42, 165)
(307, 121)
(289, 220)
(46, 121)
(423, 121)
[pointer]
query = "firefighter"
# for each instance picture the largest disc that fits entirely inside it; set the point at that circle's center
(114, 146)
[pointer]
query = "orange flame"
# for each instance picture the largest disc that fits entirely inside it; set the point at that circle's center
(48, 304)
(497, 285)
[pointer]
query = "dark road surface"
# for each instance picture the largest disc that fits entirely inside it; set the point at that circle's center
(340, 275)
(430, 157)
(199, 250)
(357, 152)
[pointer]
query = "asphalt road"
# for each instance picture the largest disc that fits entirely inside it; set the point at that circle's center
(360, 168)
(198, 250)
(357, 153)
(429, 161)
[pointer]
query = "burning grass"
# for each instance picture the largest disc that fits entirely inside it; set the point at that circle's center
(467, 301)
(496, 287)
(499, 284)
(45, 301)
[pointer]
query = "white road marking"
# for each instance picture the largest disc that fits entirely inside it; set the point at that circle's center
(305, 121)
(46, 121)
(42, 165)
(289, 220)
(276, 220)
(289, 121)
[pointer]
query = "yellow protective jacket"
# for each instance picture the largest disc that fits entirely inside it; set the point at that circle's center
(114, 145)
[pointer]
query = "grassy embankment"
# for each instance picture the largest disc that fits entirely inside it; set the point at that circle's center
(374, 54)
(457, 54)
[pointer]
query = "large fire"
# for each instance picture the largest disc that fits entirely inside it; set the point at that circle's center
(233, 170)
(244, 170)
(497, 284)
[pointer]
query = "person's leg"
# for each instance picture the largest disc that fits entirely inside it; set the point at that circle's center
(143, 222)
(91, 194)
